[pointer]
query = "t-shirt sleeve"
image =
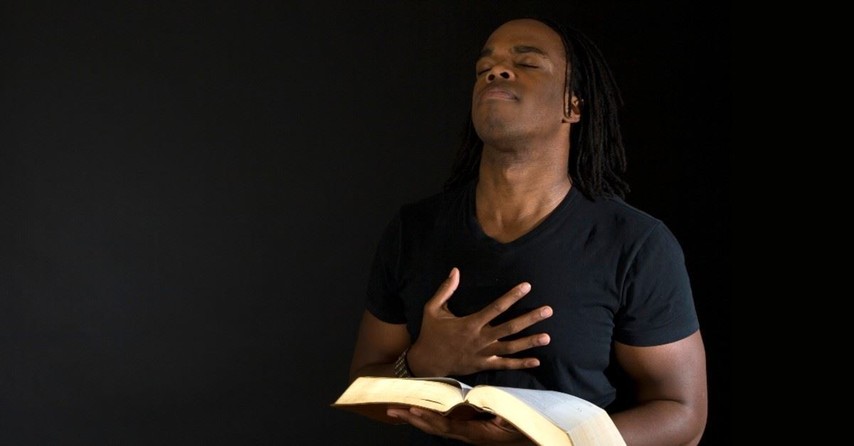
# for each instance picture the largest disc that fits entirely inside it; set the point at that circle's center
(658, 305)
(382, 297)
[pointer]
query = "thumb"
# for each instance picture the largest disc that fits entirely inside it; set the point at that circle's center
(445, 291)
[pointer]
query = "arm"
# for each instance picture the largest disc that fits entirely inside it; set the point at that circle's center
(451, 345)
(378, 344)
(670, 380)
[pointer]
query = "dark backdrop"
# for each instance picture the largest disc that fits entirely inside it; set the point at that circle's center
(192, 192)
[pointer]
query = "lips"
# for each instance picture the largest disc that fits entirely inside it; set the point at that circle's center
(497, 92)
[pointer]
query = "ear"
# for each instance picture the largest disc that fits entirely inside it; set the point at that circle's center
(572, 112)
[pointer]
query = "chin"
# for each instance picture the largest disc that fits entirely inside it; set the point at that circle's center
(495, 130)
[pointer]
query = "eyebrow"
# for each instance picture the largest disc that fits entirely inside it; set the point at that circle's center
(518, 49)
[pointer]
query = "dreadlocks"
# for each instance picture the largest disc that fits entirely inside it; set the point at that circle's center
(597, 158)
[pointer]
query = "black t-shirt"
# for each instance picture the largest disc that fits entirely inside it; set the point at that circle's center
(609, 271)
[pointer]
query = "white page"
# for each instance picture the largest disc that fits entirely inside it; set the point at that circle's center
(564, 410)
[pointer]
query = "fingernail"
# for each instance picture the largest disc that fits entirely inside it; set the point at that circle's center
(544, 339)
(546, 312)
(525, 287)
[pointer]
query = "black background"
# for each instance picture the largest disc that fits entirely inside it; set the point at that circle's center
(192, 192)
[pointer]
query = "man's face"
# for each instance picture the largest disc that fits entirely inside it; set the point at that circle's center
(520, 87)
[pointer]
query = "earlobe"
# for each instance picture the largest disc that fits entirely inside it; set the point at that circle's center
(572, 113)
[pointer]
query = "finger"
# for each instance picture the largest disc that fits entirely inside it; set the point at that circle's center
(501, 363)
(504, 348)
(468, 431)
(519, 323)
(427, 421)
(501, 304)
(446, 289)
(504, 425)
(437, 424)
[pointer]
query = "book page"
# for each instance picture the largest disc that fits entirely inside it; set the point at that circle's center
(429, 394)
(526, 418)
(464, 388)
(562, 409)
(583, 421)
(371, 396)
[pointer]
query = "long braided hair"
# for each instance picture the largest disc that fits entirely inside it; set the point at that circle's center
(597, 159)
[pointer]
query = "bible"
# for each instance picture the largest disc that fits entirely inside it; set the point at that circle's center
(546, 417)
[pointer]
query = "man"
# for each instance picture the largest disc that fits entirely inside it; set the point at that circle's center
(555, 282)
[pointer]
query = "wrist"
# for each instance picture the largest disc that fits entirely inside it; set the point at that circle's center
(414, 360)
(419, 365)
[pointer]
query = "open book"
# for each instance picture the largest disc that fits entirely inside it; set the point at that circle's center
(547, 417)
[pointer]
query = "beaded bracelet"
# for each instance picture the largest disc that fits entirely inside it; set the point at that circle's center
(401, 367)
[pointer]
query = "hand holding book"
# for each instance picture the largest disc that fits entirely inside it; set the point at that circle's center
(543, 416)
(493, 430)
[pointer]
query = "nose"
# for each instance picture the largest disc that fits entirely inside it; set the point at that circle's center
(499, 71)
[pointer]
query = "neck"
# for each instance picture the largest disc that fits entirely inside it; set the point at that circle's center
(517, 190)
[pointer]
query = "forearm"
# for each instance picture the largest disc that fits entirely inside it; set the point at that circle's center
(660, 423)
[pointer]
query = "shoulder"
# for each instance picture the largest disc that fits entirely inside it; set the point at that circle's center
(433, 207)
(615, 214)
(614, 222)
